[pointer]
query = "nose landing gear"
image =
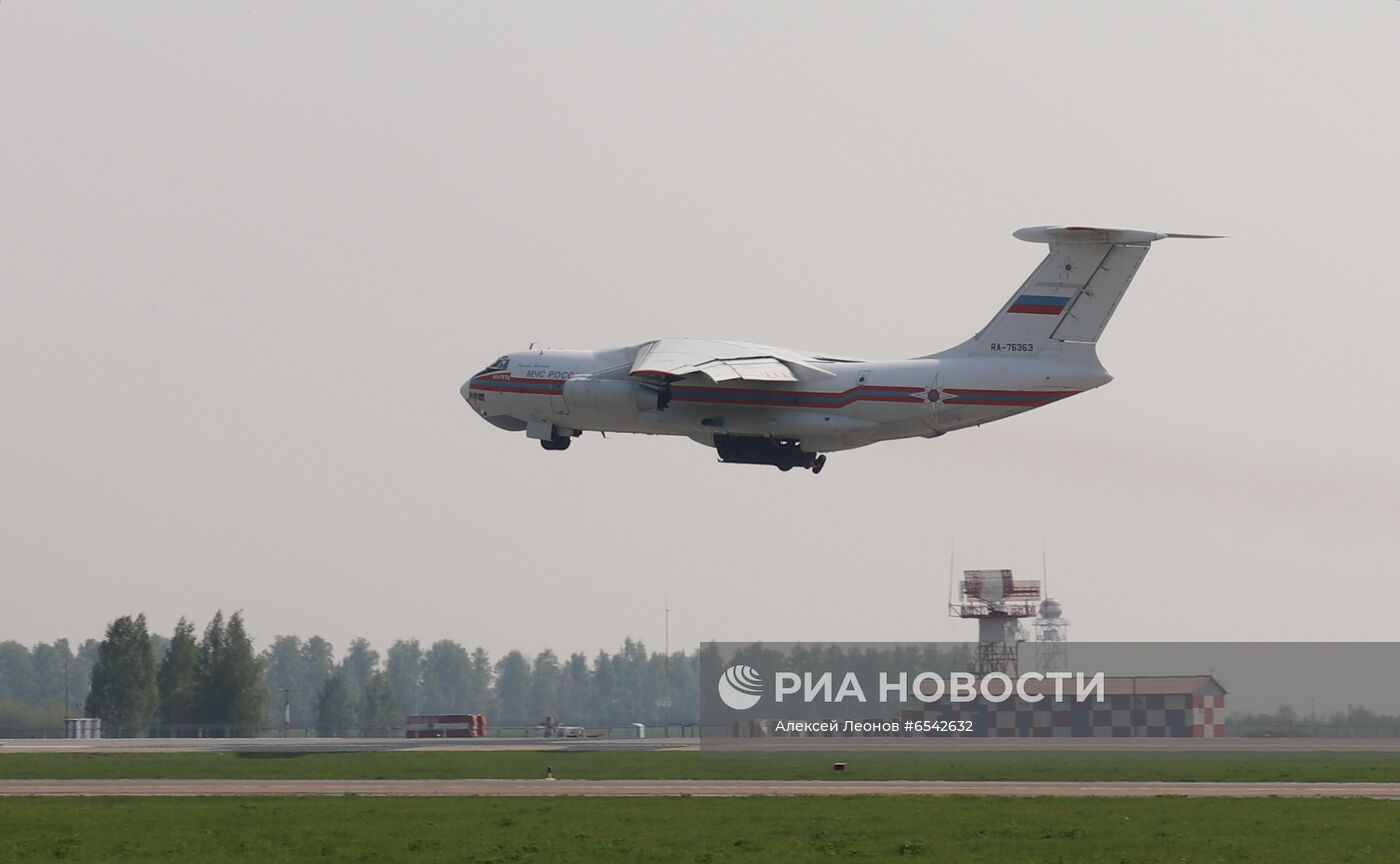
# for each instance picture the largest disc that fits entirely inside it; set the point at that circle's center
(558, 441)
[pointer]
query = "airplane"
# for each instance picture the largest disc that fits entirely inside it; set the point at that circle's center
(761, 405)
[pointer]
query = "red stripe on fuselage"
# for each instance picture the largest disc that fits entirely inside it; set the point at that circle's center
(797, 398)
(958, 391)
(1005, 398)
(542, 386)
(1001, 403)
(819, 399)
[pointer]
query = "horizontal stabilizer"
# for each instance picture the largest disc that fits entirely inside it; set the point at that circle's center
(1103, 236)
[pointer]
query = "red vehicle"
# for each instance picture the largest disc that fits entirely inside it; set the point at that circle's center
(445, 726)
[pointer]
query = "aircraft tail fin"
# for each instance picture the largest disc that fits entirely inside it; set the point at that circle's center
(1072, 295)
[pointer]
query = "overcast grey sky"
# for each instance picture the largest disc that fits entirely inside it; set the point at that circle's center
(248, 253)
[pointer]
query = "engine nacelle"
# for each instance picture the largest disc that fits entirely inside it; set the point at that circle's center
(611, 396)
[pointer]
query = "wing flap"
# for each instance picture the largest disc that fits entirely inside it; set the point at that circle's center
(747, 369)
(724, 361)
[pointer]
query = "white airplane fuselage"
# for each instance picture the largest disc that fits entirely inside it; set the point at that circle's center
(763, 405)
(863, 402)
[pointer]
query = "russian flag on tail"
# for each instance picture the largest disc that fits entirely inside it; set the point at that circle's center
(1039, 304)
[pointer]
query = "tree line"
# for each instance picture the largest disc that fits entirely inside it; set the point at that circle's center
(215, 682)
(37, 683)
(216, 679)
(1357, 721)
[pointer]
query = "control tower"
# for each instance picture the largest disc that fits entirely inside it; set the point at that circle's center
(999, 603)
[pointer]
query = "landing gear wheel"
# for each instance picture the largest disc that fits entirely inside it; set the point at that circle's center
(557, 443)
(818, 464)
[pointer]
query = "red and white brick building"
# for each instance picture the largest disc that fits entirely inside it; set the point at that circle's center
(1157, 706)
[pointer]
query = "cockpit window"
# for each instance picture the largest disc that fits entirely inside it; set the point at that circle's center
(501, 363)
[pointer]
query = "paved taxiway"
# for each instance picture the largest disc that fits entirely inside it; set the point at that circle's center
(695, 788)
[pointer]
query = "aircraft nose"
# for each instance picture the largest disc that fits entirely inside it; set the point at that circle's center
(465, 389)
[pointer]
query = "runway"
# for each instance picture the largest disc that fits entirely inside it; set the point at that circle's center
(723, 746)
(692, 788)
(335, 745)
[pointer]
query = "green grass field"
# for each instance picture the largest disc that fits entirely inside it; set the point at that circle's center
(268, 830)
(1241, 767)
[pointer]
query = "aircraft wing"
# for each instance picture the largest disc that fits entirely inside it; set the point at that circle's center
(727, 361)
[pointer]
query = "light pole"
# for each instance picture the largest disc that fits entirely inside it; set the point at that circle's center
(286, 709)
(666, 720)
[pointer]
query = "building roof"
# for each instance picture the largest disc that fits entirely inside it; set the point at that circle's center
(1128, 685)
(1143, 685)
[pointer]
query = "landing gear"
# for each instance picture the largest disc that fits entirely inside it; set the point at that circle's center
(551, 437)
(784, 455)
(557, 443)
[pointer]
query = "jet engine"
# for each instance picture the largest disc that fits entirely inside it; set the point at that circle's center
(609, 395)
